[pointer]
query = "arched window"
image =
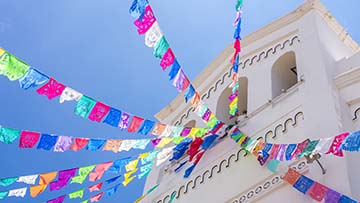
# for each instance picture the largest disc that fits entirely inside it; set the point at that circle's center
(190, 124)
(243, 95)
(283, 74)
(222, 108)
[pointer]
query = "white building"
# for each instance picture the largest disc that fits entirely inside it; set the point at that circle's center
(299, 79)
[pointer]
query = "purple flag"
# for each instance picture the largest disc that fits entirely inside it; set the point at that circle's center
(63, 178)
(63, 143)
(57, 200)
(124, 121)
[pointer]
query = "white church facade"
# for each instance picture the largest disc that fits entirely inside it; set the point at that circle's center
(299, 78)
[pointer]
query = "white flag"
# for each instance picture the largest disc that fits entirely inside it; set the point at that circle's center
(18, 192)
(27, 179)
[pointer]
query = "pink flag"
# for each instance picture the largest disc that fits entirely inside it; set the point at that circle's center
(51, 89)
(335, 146)
(97, 197)
(144, 23)
(28, 139)
(99, 112)
(168, 59)
(99, 171)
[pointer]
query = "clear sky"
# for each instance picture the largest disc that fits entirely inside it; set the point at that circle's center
(93, 47)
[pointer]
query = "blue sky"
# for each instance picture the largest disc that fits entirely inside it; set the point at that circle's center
(93, 47)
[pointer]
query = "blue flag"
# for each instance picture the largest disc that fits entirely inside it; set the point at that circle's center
(47, 141)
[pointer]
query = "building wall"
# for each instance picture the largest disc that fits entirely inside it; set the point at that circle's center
(321, 104)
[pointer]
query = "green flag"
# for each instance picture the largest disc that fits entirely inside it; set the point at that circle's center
(83, 173)
(8, 135)
(84, 106)
(77, 194)
(239, 4)
(161, 47)
(7, 181)
(3, 194)
(12, 67)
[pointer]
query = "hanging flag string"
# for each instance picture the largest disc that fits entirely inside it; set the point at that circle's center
(313, 189)
(266, 152)
(141, 165)
(147, 25)
(86, 107)
(233, 98)
(44, 141)
(129, 168)
(80, 193)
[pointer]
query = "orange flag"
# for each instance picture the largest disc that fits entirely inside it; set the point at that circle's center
(37, 189)
(158, 129)
(46, 178)
(112, 145)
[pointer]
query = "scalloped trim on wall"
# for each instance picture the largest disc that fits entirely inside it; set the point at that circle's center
(247, 62)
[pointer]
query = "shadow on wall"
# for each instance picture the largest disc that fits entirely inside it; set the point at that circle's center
(222, 107)
(283, 74)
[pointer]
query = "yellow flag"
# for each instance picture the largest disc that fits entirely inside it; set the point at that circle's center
(2, 51)
(128, 174)
(241, 140)
(164, 141)
(193, 132)
(131, 165)
(143, 155)
(127, 181)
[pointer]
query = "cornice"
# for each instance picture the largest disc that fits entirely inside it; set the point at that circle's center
(259, 190)
(348, 78)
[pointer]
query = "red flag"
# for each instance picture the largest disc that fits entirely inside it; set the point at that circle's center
(96, 187)
(79, 143)
(135, 124)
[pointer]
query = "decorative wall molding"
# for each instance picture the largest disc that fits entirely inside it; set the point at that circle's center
(208, 174)
(292, 121)
(247, 62)
(267, 186)
(356, 114)
(284, 126)
(265, 54)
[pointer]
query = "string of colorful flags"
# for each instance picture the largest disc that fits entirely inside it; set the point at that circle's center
(130, 166)
(79, 194)
(147, 25)
(61, 143)
(86, 107)
(287, 152)
(315, 190)
(233, 98)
